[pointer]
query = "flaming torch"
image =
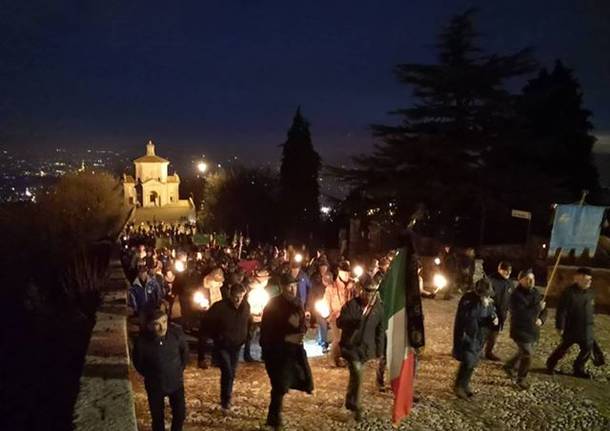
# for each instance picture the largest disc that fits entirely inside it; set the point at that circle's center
(179, 265)
(358, 271)
(258, 298)
(322, 308)
(201, 301)
(439, 281)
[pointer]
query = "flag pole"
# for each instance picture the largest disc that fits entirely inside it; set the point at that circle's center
(550, 280)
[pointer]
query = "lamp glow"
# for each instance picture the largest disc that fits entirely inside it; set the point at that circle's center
(202, 167)
(358, 271)
(298, 258)
(437, 261)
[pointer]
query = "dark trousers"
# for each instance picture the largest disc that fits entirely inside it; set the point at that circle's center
(252, 327)
(522, 360)
(562, 349)
(466, 369)
(352, 398)
(492, 338)
(274, 416)
(226, 358)
(156, 403)
(464, 375)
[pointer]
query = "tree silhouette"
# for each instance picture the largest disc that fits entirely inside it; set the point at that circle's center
(299, 188)
(437, 154)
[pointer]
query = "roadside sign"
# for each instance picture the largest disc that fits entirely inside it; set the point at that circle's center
(521, 214)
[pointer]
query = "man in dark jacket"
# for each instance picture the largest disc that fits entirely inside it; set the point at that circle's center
(160, 354)
(226, 323)
(282, 330)
(362, 336)
(574, 321)
(475, 315)
(527, 315)
(502, 287)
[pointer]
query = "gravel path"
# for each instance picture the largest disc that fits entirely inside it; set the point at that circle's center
(552, 403)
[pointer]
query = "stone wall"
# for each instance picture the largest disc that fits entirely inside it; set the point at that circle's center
(105, 400)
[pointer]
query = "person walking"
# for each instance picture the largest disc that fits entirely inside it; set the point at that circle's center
(502, 289)
(574, 322)
(282, 330)
(160, 355)
(362, 337)
(475, 314)
(527, 315)
(226, 323)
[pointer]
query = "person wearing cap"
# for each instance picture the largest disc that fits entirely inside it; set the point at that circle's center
(503, 287)
(320, 281)
(527, 315)
(226, 323)
(475, 315)
(303, 283)
(145, 294)
(160, 354)
(362, 337)
(282, 330)
(574, 322)
(336, 296)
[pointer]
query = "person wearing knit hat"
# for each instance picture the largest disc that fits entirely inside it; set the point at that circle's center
(475, 316)
(527, 315)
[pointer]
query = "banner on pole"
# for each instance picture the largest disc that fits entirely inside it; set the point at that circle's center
(577, 228)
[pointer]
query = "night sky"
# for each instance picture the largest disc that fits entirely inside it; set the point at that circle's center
(225, 77)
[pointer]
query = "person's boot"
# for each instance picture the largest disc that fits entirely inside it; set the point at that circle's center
(550, 367)
(460, 392)
(204, 363)
(509, 370)
(582, 374)
(489, 347)
(523, 383)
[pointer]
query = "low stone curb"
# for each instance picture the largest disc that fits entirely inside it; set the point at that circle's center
(105, 400)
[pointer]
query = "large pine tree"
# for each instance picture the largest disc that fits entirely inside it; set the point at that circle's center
(299, 188)
(437, 154)
(557, 137)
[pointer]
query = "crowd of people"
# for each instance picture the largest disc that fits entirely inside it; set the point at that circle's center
(230, 293)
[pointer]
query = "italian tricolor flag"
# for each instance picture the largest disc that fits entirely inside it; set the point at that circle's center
(400, 357)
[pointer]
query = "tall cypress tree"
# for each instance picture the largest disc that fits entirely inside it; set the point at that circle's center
(299, 188)
(437, 153)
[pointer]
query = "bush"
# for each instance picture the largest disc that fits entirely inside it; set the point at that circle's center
(55, 252)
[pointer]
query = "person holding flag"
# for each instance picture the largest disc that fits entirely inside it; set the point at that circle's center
(362, 337)
(404, 323)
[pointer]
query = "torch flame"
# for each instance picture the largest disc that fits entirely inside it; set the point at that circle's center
(179, 266)
(358, 271)
(322, 308)
(200, 299)
(258, 298)
(439, 281)
(298, 258)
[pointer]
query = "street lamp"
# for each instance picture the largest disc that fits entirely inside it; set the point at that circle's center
(202, 167)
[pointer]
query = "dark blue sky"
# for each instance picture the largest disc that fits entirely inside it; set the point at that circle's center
(224, 77)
